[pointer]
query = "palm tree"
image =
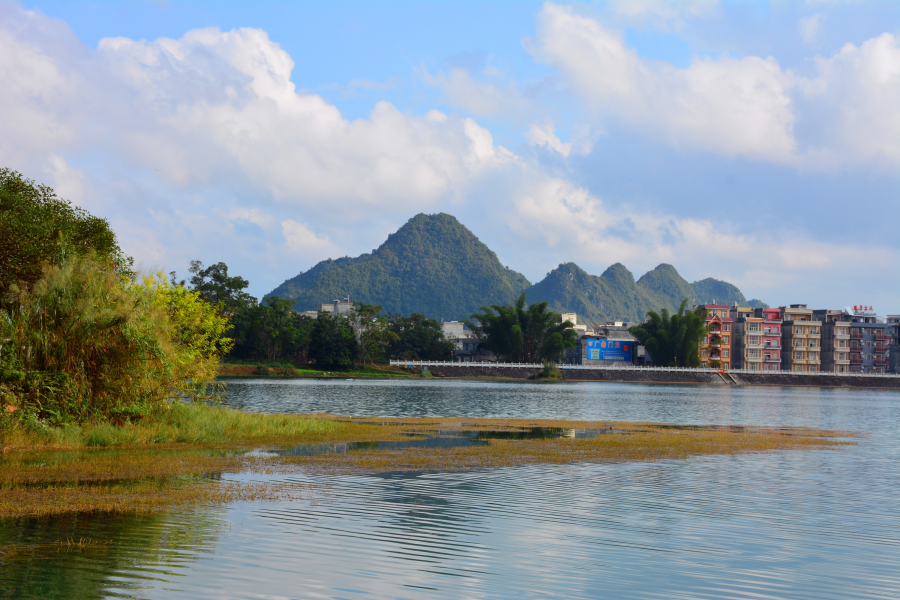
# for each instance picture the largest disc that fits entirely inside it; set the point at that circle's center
(672, 340)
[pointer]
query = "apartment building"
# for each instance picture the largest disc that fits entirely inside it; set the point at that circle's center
(772, 324)
(835, 341)
(748, 343)
(802, 339)
(715, 348)
(468, 346)
(893, 353)
(869, 340)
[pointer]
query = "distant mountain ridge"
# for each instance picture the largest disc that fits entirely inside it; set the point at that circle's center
(435, 266)
(432, 265)
(616, 296)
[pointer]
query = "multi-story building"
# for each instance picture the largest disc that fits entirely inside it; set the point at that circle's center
(869, 339)
(835, 341)
(772, 324)
(893, 352)
(802, 339)
(715, 348)
(748, 343)
(468, 346)
(606, 345)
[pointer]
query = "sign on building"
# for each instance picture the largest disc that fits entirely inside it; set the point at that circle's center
(612, 350)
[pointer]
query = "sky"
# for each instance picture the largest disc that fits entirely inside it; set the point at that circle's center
(754, 142)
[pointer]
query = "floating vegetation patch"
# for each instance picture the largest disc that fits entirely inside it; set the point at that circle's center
(151, 476)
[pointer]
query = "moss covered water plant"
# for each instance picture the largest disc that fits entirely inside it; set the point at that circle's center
(178, 457)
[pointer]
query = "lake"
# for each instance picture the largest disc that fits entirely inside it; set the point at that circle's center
(794, 524)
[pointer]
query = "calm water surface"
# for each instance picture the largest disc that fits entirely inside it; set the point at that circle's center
(798, 524)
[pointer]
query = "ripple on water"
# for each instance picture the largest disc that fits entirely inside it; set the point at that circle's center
(802, 524)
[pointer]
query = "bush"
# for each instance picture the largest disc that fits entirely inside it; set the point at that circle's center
(85, 344)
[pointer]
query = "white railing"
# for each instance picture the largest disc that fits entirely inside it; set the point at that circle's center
(627, 367)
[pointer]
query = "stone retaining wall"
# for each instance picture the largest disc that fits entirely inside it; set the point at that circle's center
(668, 376)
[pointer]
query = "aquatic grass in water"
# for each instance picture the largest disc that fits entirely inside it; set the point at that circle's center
(144, 474)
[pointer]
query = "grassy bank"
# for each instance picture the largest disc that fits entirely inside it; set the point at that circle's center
(280, 369)
(178, 457)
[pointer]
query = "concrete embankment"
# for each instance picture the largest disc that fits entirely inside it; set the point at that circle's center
(639, 376)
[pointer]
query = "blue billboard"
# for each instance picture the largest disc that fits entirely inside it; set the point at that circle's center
(612, 350)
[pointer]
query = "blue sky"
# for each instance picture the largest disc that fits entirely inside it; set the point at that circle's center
(753, 142)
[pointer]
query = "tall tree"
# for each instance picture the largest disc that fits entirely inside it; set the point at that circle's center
(271, 331)
(417, 337)
(333, 341)
(216, 286)
(672, 340)
(38, 229)
(373, 331)
(523, 333)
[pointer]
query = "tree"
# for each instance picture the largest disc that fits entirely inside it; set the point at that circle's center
(417, 337)
(521, 333)
(672, 340)
(215, 286)
(373, 331)
(271, 331)
(333, 341)
(38, 229)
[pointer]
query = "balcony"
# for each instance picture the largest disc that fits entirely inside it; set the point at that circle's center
(879, 336)
(856, 335)
(855, 360)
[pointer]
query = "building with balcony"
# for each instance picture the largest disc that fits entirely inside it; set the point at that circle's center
(748, 344)
(893, 353)
(801, 337)
(771, 335)
(835, 341)
(468, 346)
(715, 348)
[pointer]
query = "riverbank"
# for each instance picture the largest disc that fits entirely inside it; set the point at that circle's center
(662, 376)
(185, 457)
(284, 370)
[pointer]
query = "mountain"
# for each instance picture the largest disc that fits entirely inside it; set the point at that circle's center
(616, 296)
(432, 265)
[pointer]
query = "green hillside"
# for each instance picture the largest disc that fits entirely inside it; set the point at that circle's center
(616, 296)
(432, 265)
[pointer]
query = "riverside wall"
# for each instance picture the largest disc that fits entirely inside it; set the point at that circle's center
(639, 376)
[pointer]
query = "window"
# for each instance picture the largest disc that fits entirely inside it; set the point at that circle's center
(725, 353)
(797, 356)
(726, 327)
(726, 339)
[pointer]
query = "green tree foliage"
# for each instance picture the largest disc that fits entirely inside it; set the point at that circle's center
(333, 342)
(85, 344)
(521, 333)
(373, 331)
(270, 331)
(672, 340)
(432, 265)
(417, 337)
(38, 229)
(216, 286)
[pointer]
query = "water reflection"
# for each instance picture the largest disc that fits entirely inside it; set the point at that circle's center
(801, 524)
(100, 555)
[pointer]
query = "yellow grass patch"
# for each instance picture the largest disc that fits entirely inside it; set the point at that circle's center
(156, 465)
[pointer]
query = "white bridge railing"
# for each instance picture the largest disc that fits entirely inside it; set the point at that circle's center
(628, 367)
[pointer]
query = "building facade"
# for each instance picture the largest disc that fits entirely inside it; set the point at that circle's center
(835, 341)
(772, 324)
(869, 340)
(801, 337)
(715, 348)
(468, 346)
(893, 346)
(748, 343)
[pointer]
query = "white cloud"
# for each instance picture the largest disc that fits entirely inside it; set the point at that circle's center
(494, 96)
(300, 237)
(578, 225)
(737, 107)
(545, 135)
(854, 104)
(250, 215)
(811, 27)
(748, 107)
(662, 15)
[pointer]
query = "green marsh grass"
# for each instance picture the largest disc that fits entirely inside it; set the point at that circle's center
(177, 457)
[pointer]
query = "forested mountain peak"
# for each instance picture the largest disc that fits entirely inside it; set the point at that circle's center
(431, 265)
(615, 296)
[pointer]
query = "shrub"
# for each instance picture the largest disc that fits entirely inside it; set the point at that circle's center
(85, 344)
